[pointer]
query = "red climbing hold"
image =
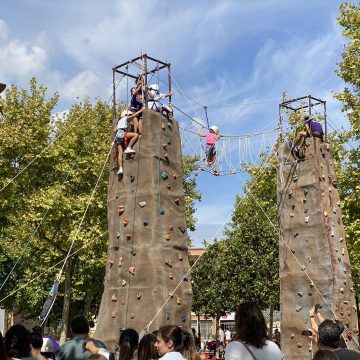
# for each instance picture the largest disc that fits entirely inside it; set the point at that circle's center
(166, 156)
(171, 275)
(132, 270)
(121, 209)
(128, 236)
(168, 262)
(121, 259)
(111, 262)
(180, 257)
(177, 201)
(113, 315)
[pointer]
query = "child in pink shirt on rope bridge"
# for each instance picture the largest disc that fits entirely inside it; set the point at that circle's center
(210, 151)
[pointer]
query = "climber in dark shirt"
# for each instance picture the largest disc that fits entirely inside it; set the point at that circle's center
(312, 129)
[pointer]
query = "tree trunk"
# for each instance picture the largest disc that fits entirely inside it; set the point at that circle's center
(67, 299)
(271, 320)
(88, 301)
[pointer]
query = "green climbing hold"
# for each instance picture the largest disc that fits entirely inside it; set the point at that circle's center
(169, 124)
(169, 141)
(162, 211)
(118, 234)
(165, 175)
(133, 189)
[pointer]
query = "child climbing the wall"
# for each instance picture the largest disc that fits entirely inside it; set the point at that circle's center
(154, 101)
(123, 139)
(136, 103)
(312, 129)
(210, 151)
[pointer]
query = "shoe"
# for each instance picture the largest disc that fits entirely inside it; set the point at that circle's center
(120, 171)
(129, 151)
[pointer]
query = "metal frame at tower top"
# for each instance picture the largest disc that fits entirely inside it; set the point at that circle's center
(143, 65)
(306, 104)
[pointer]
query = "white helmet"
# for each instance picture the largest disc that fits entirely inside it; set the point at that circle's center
(154, 87)
(125, 112)
(215, 129)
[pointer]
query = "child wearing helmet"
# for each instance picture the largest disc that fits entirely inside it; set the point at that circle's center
(211, 138)
(123, 139)
(154, 100)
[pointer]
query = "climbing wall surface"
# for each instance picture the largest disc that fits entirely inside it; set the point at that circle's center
(311, 226)
(147, 254)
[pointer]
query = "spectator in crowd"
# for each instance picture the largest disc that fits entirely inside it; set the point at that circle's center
(172, 342)
(17, 343)
(146, 348)
(196, 339)
(2, 348)
(73, 349)
(36, 339)
(325, 355)
(128, 343)
(251, 336)
(328, 338)
(96, 357)
(227, 336)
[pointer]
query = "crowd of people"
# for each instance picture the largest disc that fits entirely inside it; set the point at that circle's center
(171, 342)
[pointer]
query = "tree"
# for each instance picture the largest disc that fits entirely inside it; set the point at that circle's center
(43, 207)
(348, 183)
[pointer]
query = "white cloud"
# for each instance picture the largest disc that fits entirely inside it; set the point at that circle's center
(3, 30)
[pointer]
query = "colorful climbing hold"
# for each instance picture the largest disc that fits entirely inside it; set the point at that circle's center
(169, 141)
(128, 236)
(169, 125)
(182, 228)
(121, 259)
(163, 125)
(325, 213)
(132, 315)
(146, 223)
(133, 252)
(132, 178)
(171, 275)
(118, 235)
(111, 262)
(183, 318)
(180, 257)
(113, 298)
(121, 209)
(290, 193)
(165, 175)
(307, 218)
(164, 146)
(162, 211)
(126, 222)
(292, 214)
(168, 186)
(113, 314)
(177, 201)
(166, 156)
(298, 308)
(295, 178)
(178, 300)
(138, 296)
(133, 189)
(132, 270)
(306, 191)
(123, 283)
(300, 293)
(174, 175)
(167, 237)
(142, 204)
(171, 228)
(169, 263)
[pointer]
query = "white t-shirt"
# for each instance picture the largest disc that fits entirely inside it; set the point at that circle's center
(122, 123)
(221, 335)
(172, 355)
(227, 335)
(237, 351)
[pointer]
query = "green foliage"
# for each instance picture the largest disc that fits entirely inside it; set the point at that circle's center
(243, 266)
(348, 176)
(54, 192)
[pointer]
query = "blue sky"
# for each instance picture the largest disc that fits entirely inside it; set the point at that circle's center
(223, 53)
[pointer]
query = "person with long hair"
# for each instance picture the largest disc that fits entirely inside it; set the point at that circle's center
(146, 349)
(325, 355)
(17, 342)
(128, 343)
(172, 343)
(2, 348)
(251, 336)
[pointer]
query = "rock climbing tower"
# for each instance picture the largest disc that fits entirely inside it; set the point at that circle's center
(147, 254)
(314, 261)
